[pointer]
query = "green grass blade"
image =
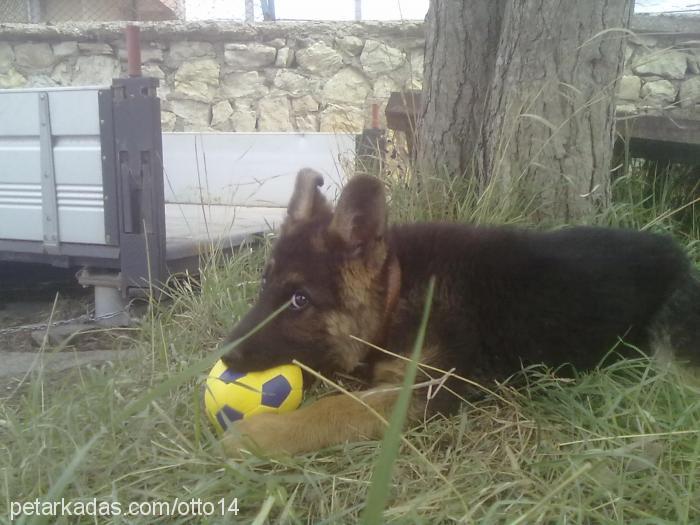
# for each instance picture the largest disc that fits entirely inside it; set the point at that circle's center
(140, 403)
(381, 476)
(57, 488)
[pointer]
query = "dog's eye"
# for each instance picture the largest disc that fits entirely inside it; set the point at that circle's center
(299, 301)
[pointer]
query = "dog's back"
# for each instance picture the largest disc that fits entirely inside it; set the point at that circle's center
(509, 297)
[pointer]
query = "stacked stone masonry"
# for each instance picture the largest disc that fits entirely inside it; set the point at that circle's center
(311, 76)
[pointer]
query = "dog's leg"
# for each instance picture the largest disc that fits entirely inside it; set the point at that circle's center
(329, 421)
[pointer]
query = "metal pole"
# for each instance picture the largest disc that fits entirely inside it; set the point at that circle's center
(268, 9)
(133, 50)
(35, 11)
(249, 12)
(358, 10)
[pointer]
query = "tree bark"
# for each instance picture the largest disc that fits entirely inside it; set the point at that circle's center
(521, 91)
(460, 49)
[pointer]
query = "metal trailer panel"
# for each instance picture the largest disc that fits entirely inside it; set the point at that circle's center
(251, 169)
(18, 114)
(66, 202)
(19, 160)
(223, 187)
(74, 112)
(50, 167)
(78, 165)
(20, 167)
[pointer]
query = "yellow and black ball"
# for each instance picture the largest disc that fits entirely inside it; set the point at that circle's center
(230, 396)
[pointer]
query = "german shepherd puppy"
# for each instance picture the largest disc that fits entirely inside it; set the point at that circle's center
(503, 298)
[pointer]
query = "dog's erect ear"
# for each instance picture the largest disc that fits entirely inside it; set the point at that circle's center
(361, 214)
(306, 200)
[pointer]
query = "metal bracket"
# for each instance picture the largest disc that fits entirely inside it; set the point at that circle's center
(111, 308)
(109, 175)
(48, 176)
(138, 157)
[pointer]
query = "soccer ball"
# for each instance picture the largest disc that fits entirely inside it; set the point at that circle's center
(230, 396)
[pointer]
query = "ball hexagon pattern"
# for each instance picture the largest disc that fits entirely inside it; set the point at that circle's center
(275, 391)
(230, 396)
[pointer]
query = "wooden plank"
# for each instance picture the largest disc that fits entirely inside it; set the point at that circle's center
(672, 136)
(664, 128)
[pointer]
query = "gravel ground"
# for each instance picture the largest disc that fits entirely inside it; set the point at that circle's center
(27, 296)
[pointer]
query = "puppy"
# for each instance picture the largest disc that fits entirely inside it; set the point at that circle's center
(503, 298)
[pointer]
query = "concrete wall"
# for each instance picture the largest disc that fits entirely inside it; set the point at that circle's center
(305, 76)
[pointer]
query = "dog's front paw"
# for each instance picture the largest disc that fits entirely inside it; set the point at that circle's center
(266, 434)
(329, 421)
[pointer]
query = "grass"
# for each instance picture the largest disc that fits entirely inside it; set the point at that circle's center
(620, 444)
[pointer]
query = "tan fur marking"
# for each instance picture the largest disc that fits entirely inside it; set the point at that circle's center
(317, 243)
(392, 369)
(359, 285)
(348, 352)
(361, 316)
(329, 421)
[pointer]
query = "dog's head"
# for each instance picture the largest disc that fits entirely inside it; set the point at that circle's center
(328, 268)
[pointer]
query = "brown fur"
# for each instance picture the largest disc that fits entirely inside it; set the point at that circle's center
(330, 420)
(503, 298)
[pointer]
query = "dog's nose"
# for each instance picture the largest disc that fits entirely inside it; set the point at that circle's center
(241, 359)
(232, 358)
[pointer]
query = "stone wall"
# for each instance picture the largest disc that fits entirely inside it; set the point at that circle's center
(306, 76)
(662, 72)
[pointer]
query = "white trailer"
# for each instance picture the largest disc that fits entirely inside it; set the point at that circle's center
(87, 179)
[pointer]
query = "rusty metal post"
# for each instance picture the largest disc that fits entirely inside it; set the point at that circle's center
(133, 50)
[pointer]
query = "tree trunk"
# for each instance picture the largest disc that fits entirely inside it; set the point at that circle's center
(461, 44)
(521, 91)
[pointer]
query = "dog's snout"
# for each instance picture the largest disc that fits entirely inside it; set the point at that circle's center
(232, 358)
(235, 354)
(243, 358)
(229, 359)
(256, 343)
